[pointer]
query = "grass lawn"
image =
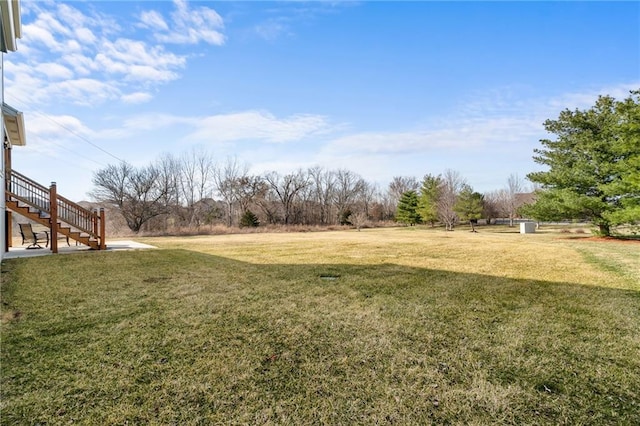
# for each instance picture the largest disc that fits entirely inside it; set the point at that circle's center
(389, 326)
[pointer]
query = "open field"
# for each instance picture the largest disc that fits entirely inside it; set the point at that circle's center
(389, 326)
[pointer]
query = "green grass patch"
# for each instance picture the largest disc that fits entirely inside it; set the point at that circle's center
(621, 258)
(331, 328)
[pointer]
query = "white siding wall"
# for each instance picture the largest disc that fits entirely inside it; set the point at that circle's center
(3, 208)
(9, 21)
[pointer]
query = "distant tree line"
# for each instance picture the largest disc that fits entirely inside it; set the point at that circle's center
(192, 190)
(593, 173)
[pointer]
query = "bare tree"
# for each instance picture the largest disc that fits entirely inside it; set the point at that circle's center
(452, 184)
(139, 194)
(358, 220)
(196, 173)
(249, 188)
(388, 205)
(491, 205)
(379, 208)
(286, 189)
(269, 204)
(228, 178)
(348, 187)
(515, 185)
(307, 210)
(367, 197)
(398, 186)
(112, 184)
(322, 190)
(169, 176)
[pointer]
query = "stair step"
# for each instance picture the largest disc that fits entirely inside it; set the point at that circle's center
(44, 218)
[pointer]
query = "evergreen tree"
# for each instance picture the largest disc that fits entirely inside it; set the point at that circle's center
(249, 220)
(408, 208)
(627, 166)
(594, 165)
(428, 201)
(469, 206)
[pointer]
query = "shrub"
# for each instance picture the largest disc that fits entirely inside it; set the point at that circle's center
(345, 217)
(249, 220)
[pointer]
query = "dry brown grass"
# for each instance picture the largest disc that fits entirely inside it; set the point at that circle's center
(420, 327)
(541, 256)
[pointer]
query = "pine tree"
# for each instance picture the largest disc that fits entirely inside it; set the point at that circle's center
(428, 200)
(593, 165)
(469, 206)
(627, 168)
(408, 208)
(249, 220)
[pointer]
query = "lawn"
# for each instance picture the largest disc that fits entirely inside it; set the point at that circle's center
(390, 326)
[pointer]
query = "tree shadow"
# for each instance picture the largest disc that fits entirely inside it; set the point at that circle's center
(332, 343)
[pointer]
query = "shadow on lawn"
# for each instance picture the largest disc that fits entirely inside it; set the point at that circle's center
(179, 336)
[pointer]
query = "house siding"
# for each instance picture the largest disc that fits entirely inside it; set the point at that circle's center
(9, 12)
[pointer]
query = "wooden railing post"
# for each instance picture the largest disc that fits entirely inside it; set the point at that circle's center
(103, 243)
(9, 227)
(53, 211)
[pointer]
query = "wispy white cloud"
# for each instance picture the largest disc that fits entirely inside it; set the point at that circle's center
(188, 25)
(585, 99)
(498, 119)
(85, 36)
(50, 127)
(272, 30)
(450, 134)
(72, 18)
(84, 91)
(488, 123)
(54, 71)
(259, 126)
(151, 121)
(39, 33)
(282, 21)
(136, 98)
(82, 65)
(136, 62)
(48, 135)
(153, 20)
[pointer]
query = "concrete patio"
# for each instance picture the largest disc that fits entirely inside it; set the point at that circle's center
(116, 245)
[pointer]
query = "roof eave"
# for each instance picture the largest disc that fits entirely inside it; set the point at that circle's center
(14, 125)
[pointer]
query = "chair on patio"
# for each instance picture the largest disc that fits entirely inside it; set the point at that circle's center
(33, 238)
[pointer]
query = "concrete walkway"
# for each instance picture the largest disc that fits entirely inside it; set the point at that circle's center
(19, 252)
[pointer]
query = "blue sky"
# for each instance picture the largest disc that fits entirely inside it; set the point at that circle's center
(381, 88)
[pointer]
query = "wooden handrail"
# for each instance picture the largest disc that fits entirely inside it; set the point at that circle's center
(28, 191)
(23, 189)
(77, 216)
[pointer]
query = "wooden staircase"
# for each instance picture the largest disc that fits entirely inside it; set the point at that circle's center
(32, 200)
